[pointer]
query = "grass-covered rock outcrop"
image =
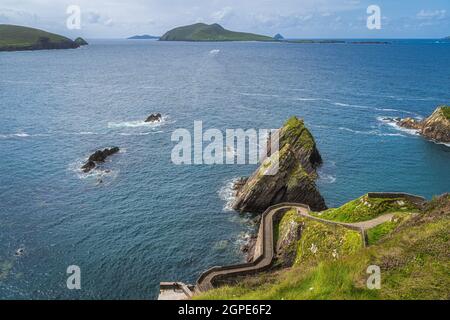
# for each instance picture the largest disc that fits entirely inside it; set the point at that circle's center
(288, 175)
(413, 259)
(366, 208)
(301, 240)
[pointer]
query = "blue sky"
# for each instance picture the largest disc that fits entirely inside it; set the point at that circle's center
(292, 18)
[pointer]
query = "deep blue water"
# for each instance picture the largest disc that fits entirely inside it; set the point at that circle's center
(152, 221)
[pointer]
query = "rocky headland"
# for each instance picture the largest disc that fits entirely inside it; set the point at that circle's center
(436, 127)
(19, 38)
(294, 181)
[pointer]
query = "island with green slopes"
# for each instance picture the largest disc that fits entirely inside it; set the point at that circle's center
(143, 37)
(212, 32)
(19, 38)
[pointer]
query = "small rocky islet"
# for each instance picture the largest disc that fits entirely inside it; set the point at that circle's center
(154, 117)
(98, 156)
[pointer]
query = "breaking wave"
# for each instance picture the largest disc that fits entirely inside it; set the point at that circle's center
(228, 194)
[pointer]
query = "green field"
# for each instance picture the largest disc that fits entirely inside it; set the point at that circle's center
(213, 32)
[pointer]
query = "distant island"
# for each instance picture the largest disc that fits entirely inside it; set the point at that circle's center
(212, 32)
(143, 37)
(19, 38)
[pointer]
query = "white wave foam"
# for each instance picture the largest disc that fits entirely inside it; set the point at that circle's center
(228, 194)
(259, 94)
(138, 123)
(327, 178)
(394, 125)
(214, 52)
(15, 135)
(340, 104)
(371, 132)
(307, 99)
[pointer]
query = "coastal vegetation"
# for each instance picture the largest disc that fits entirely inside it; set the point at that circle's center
(366, 208)
(212, 32)
(17, 38)
(412, 253)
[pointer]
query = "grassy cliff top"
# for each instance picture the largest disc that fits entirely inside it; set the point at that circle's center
(412, 257)
(18, 36)
(212, 32)
(294, 132)
(366, 208)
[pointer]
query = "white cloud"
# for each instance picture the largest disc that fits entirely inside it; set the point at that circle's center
(429, 14)
(222, 14)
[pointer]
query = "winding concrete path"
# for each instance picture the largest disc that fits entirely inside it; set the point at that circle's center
(210, 277)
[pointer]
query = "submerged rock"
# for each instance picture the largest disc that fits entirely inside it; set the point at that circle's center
(98, 156)
(157, 117)
(294, 181)
(436, 127)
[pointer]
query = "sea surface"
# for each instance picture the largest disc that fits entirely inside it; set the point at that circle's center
(143, 219)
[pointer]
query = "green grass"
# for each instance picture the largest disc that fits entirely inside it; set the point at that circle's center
(377, 233)
(19, 37)
(213, 32)
(413, 260)
(318, 241)
(365, 208)
(446, 111)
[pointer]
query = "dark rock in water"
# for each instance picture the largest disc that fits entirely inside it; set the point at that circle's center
(154, 118)
(101, 155)
(293, 177)
(98, 156)
(88, 166)
(20, 252)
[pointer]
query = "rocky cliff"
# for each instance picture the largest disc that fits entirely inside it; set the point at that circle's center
(436, 127)
(294, 181)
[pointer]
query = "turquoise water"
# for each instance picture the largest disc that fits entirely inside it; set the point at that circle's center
(152, 221)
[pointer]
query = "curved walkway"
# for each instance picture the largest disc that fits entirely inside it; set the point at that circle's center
(210, 277)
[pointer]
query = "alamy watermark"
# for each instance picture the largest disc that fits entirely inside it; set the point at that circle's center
(374, 280)
(73, 21)
(374, 18)
(74, 280)
(235, 146)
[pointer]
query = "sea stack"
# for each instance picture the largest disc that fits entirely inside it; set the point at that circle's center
(436, 127)
(294, 181)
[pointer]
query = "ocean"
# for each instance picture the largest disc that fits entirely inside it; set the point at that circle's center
(145, 219)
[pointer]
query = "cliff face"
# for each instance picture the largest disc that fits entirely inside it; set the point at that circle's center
(435, 127)
(295, 179)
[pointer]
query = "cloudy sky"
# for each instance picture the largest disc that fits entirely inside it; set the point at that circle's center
(292, 18)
